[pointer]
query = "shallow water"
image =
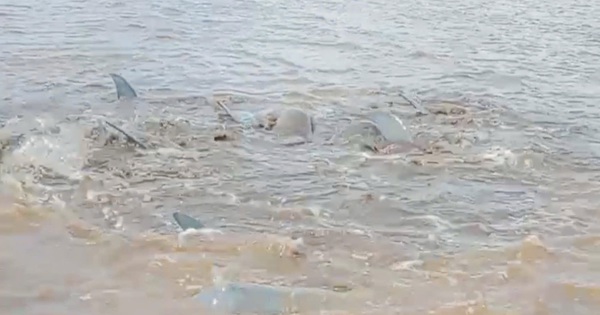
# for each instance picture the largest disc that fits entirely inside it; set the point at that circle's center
(499, 217)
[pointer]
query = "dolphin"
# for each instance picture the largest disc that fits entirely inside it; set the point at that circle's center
(190, 226)
(381, 131)
(186, 222)
(10, 141)
(391, 127)
(287, 122)
(294, 122)
(275, 243)
(253, 298)
(124, 90)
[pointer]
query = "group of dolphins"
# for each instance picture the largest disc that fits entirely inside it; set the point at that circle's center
(232, 297)
(380, 131)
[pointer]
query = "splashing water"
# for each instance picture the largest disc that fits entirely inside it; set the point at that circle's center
(60, 148)
(247, 119)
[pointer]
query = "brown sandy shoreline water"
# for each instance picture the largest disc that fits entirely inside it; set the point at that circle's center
(502, 218)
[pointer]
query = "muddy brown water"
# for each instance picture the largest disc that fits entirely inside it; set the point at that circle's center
(499, 217)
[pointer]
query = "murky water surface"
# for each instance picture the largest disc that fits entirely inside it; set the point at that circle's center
(500, 216)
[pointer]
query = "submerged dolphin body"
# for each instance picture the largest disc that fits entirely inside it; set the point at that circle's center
(390, 127)
(252, 298)
(124, 90)
(288, 122)
(295, 122)
(381, 130)
(10, 141)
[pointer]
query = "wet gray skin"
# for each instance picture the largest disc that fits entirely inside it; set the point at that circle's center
(391, 127)
(288, 122)
(364, 131)
(250, 298)
(294, 122)
(380, 132)
(124, 91)
(186, 222)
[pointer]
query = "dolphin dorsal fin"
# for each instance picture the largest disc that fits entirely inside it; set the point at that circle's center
(186, 222)
(124, 89)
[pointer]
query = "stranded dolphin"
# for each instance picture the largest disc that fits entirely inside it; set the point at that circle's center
(381, 131)
(287, 122)
(251, 298)
(9, 141)
(124, 90)
(186, 222)
(390, 126)
(294, 122)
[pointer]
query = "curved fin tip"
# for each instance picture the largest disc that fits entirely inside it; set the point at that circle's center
(124, 89)
(186, 222)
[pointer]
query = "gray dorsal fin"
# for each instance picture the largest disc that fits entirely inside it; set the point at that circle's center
(186, 222)
(124, 89)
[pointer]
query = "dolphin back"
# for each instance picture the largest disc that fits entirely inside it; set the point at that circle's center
(391, 127)
(245, 298)
(254, 298)
(295, 122)
(124, 89)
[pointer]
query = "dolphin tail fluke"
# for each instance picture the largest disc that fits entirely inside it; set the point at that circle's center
(186, 222)
(124, 89)
(129, 137)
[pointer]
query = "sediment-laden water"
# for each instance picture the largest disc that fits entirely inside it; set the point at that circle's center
(498, 216)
